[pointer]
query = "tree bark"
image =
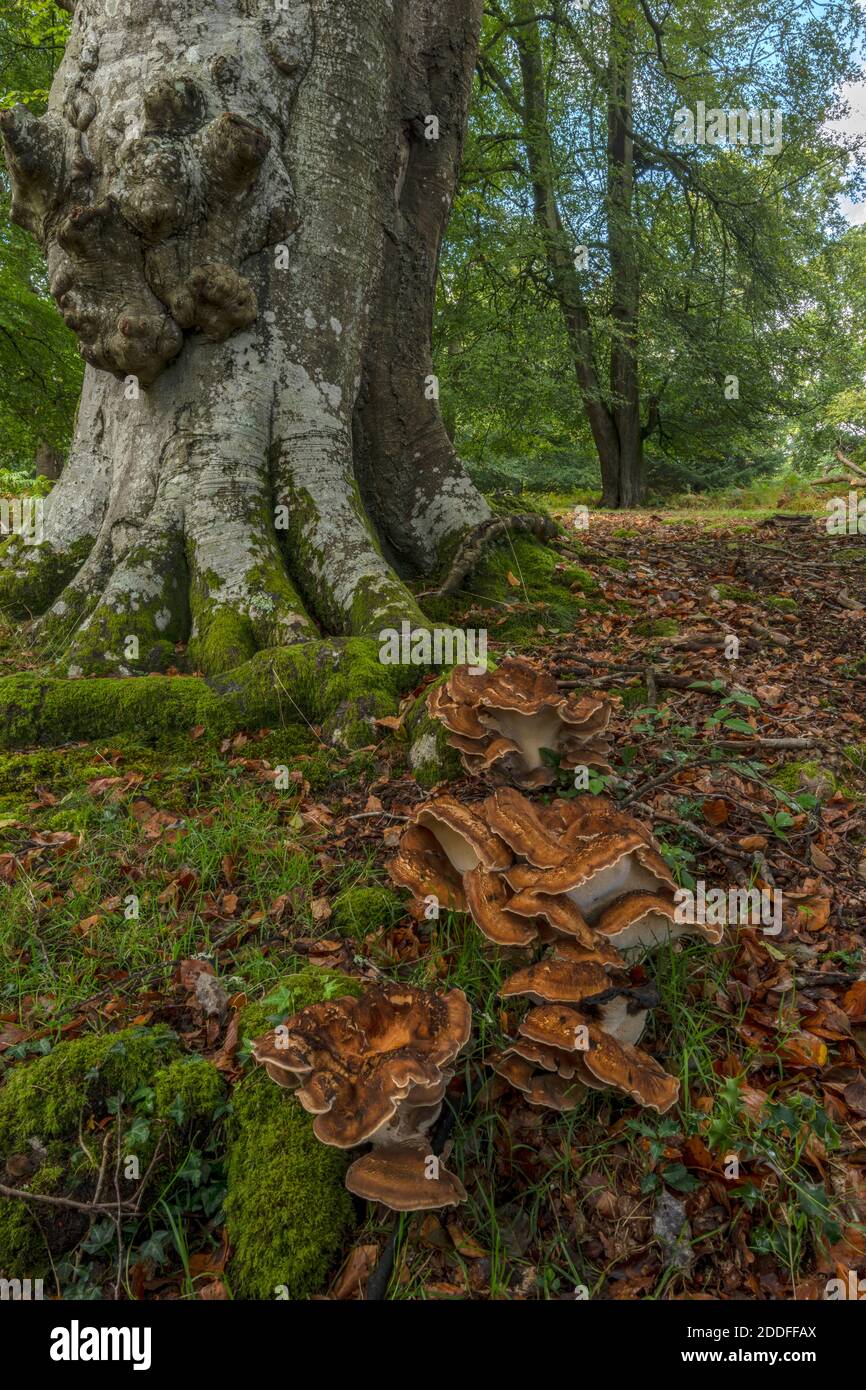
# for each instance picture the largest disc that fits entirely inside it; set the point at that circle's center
(613, 417)
(242, 213)
(624, 269)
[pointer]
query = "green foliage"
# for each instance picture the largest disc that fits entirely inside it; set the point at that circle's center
(40, 370)
(745, 265)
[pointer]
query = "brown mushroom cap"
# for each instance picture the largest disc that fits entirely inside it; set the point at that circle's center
(513, 1068)
(547, 1058)
(397, 1176)
(562, 981)
(561, 914)
(601, 951)
(605, 869)
(639, 920)
(630, 1070)
(550, 1091)
(363, 1058)
(507, 716)
(463, 835)
(487, 899)
(556, 1026)
(422, 866)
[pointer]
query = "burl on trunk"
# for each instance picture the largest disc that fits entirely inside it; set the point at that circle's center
(241, 207)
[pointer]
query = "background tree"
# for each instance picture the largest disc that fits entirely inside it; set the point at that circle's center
(696, 257)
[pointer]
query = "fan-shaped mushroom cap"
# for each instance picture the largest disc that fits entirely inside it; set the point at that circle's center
(603, 870)
(550, 1091)
(547, 1058)
(488, 901)
(562, 981)
(458, 716)
(639, 920)
(556, 1026)
(404, 1177)
(519, 711)
(563, 915)
(365, 1057)
(463, 834)
(600, 951)
(422, 866)
(646, 919)
(630, 1070)
(529, 830)
(601, 1060)
(512, 1068)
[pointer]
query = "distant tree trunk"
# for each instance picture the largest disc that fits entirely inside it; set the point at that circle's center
(624, 269)
(614, 417)
(49, 462)
(242, 203)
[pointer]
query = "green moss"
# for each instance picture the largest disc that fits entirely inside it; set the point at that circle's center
(40, 574)
(782, 605)
(45, 1103)
(287, 1209)
(737, 594)
(188, 1089)
(632, 696)
(45, 1097)
(791, 777)
(339, 684)
(358, 911)
(45, 709)
(429, 754)
(542, 597)
(657, 627)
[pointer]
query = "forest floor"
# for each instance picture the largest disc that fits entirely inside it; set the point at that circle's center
(748, 758)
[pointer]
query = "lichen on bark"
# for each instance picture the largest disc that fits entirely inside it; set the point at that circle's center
(242, 212)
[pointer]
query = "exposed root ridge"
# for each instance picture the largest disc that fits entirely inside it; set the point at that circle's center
(475, 546)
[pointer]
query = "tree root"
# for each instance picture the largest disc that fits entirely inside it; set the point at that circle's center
(474, 547)
(337, 688)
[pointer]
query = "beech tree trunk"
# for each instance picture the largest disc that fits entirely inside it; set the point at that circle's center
(242, 205)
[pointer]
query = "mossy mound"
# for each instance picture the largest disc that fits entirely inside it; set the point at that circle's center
(287, 1209)
(47, 1105)
(797, 776)
(658, 627)
(358, 911)
(529, 586)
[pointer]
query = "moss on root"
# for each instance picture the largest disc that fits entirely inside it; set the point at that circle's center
(287, 1209)
(33, 576)
(339, 685)
(529, 579)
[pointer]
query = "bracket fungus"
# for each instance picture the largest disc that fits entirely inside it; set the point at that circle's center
(373, 1070)
(501, 721)
(588, 882)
